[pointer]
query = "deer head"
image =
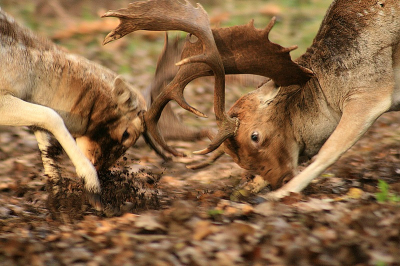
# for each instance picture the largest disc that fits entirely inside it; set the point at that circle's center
(119, 132)
(258, 145)
(234, 50)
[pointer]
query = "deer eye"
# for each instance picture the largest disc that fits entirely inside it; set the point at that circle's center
(255, 137)
(125, 136)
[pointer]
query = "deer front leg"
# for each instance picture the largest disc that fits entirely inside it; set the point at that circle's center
(16, 112)
(358, 115)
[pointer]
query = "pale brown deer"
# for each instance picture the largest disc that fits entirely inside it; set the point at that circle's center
(320, 104)
(69, 97)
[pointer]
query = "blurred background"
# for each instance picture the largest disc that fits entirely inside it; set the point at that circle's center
(77, 25)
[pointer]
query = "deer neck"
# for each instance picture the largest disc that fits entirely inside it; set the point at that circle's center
(92, 103)
(354, 44)
(312, 118)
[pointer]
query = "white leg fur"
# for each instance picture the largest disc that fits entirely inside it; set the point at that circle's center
(354, 123)
(16, 112)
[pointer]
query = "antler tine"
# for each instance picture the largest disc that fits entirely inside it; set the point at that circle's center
(173, 90)
(269, 27)
(151, 15)
(214, 157)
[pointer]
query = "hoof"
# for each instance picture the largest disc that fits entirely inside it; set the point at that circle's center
(95, 200)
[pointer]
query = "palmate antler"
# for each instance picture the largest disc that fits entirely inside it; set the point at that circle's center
(247, 50)
(234, 50)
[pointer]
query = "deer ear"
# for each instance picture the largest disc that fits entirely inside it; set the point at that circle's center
(269, 90)
(126, 97)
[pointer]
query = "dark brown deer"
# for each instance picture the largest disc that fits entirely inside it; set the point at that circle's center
(320, 104)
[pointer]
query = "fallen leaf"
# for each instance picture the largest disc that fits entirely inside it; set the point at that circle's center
(314, 205)
(355, 193)
(148, 222)
(203, 229)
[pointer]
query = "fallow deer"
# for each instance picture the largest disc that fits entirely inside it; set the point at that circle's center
(320, 104)
(67, 96)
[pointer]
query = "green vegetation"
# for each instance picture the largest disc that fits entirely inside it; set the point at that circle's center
(213, 213)
(381, 264)
(384, 195)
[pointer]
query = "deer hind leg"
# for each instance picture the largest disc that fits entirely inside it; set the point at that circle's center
(358, 115)
(48, 157)
(16, 112)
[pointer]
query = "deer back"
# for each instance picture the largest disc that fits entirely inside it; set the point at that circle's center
(14, 34)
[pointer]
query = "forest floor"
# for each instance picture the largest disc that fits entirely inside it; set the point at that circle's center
(165, 214)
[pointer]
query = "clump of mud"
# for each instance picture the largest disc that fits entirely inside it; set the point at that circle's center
(65, 201)
(129, 192)
(122, 192)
